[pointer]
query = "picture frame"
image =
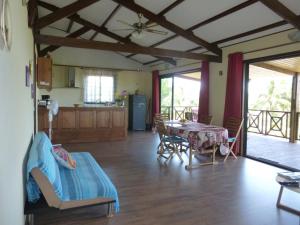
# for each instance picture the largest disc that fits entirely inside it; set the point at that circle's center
(27, 76)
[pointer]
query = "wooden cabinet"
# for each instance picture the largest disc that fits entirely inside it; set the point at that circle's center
(44, 73)
(85, 124)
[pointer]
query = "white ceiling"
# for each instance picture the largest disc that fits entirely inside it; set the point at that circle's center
(185, 15)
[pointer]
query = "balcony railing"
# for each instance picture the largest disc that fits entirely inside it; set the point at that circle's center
(272, 123)
(178, 112)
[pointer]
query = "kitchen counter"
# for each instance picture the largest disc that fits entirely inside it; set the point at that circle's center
(90, 123)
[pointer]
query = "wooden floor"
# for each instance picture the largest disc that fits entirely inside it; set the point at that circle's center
(240, 192)
(276, 150)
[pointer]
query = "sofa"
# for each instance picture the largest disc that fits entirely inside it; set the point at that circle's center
(63, 188)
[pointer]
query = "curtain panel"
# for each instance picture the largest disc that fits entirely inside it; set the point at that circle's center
(234, 91)
(155, 93)
(203, 108)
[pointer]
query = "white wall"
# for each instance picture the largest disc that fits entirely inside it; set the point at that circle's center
(16, 117)
(125, 80)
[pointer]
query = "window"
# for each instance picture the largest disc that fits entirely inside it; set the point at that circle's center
(98, 87)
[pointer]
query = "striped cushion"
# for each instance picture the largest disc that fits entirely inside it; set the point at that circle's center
(87, 181)
(40, 156)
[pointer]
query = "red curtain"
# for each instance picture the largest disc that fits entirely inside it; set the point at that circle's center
(234, 88)
(155, 92)
(203, 109)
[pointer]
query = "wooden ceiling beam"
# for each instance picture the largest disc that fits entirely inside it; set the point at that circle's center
(163, 12)
(32, 12)
(75, 34)
(70, 26)
(63, 12)
(131, 48)
(76, 18)
(162, 21)
(210, 20)
(107, 20)
(281, 10)
(170, 7)
(245, 34)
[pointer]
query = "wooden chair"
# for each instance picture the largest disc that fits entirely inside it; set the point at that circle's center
(162, 116)
(188, 116)
(205, 119)
(207, 151)
(234, 126)
(168, 144)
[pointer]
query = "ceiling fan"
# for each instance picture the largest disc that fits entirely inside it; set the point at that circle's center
(139, 28)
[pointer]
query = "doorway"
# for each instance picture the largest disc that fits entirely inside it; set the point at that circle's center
(179, 94)
(272, 112)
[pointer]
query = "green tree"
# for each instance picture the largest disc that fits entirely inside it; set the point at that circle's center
(278, 97)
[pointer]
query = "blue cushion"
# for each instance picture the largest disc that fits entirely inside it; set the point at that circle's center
(230, 140)
(40, 156)
(174, 139)
(87, 181)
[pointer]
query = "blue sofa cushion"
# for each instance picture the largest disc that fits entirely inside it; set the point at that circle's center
(87, 181)
(40, 156)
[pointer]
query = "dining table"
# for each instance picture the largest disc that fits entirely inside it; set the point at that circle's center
(200, 137)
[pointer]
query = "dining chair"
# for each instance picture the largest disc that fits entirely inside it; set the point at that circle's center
(169, 144)
(188, 116)
(234, 127)
(162, 116)
(205, 119)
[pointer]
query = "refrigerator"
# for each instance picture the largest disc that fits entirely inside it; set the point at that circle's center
(137, 112)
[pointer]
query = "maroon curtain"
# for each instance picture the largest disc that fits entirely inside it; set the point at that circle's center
(155, 92)
(203, 109)
(234, 88)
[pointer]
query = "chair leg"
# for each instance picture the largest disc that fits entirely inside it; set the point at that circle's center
(178, 154)
(230, 152)
(29, 219)
(189, 166)
(214, 154)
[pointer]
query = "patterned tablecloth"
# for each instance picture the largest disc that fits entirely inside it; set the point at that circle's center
(199, 135)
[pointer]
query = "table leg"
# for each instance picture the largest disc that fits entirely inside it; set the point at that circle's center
(189, 166)
(284, 207)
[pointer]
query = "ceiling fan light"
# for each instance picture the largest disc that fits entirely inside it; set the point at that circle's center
(138, 35)
(294, 36)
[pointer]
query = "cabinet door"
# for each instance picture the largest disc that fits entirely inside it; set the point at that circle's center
(103, 119)
(118, 118)
(86, 119)
(44, 72)
(68, 118)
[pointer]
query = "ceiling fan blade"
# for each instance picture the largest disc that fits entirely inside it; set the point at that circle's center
(156, 31)
(152, 24)
(124, 29)
(124, 22)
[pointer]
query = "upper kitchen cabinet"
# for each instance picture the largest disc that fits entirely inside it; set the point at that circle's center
(44, 73)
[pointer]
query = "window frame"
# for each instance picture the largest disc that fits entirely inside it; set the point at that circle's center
(100, 74)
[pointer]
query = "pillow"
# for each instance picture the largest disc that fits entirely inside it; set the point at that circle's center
(63, 157)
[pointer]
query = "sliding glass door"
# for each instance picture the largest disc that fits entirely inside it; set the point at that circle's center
(166, 96)
(179, 94)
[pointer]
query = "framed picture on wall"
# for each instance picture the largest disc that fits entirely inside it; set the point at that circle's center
(27, 76)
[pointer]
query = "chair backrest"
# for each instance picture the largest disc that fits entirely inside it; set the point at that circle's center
(41, 157)
(234, 126)
(189, 116)
(205, 119)
(162, 116)
(161, 128)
